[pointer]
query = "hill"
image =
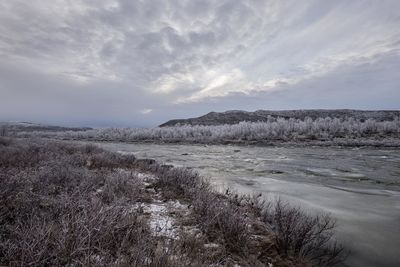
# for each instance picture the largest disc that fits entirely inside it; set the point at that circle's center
(236, 116)
(13, 127)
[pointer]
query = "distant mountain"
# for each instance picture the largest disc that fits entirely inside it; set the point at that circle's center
(31, 127)
(236, 116)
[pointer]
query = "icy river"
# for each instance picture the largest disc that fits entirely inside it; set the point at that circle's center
(359, 187)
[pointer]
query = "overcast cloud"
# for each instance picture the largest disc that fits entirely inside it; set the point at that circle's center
(139, 63)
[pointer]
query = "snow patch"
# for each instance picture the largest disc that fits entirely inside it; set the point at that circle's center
(161, 223)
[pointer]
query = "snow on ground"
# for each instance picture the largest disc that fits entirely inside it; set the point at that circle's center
(145, 177)
(162, 217)
(160, 222)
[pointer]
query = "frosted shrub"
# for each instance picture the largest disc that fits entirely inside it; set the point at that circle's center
(272, 129)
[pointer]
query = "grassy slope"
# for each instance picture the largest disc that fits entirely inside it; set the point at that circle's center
(64, 204)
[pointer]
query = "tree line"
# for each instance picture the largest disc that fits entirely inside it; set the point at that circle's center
(271, 130)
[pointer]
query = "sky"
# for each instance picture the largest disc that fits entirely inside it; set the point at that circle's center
(138, 63)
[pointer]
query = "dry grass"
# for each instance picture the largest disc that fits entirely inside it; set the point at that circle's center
(65, 204)
(55, 210)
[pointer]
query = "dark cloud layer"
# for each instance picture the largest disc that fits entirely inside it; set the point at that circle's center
(138, 63)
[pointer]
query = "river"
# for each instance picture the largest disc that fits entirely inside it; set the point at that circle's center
(359, 187)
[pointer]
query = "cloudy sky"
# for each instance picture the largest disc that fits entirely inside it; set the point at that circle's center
(140, 63)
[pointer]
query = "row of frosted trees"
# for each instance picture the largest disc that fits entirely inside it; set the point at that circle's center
(277, 129)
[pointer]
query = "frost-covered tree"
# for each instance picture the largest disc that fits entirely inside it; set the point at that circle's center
(272, 129)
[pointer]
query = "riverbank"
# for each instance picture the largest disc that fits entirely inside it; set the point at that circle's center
(378, 143)
(90, 206)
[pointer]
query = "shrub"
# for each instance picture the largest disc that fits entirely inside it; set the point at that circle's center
(5, 141)
(181, 181)
(54, 211)
(303, 235)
